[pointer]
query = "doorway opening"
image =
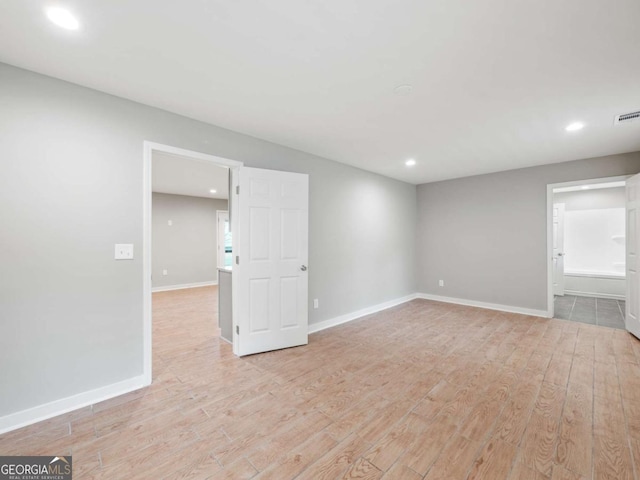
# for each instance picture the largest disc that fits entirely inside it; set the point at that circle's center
(224, 242)
(188, 199)
(586, 265)
(186, 194)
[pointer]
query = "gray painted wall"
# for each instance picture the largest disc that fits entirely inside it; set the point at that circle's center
(486, 236)
(71, 187)
(188, 248)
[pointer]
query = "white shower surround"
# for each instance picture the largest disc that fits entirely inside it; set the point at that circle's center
(595, 252)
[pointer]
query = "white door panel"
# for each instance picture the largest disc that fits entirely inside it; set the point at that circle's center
(632, 320)
(558, 248)
(273, 254)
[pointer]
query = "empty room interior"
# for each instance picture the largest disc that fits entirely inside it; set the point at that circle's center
(320, 240)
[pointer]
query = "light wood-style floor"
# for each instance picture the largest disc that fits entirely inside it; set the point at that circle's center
(422, 390)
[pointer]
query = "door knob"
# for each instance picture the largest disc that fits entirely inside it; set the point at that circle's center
(303, 268)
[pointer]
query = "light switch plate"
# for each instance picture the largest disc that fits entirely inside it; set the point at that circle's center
(124, 251)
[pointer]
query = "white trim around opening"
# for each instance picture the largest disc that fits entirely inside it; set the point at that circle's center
(149, 148)
(550, 188)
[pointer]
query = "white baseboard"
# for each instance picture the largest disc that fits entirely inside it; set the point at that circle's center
(348, 317)
(29, 416)
(183, 286)
(490, 306)
(596, 295)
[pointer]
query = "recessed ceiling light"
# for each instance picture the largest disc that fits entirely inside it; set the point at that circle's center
(403, 90)
(63, 18)
(213, 190)
(410, 163)
(574, 127)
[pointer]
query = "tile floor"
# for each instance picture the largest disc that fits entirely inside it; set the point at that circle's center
(605, 312)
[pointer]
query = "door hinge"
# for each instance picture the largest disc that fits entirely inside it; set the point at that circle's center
(237, 189)
(237, 329)
(237, 259)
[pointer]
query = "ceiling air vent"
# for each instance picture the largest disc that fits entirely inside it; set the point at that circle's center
(627, 118)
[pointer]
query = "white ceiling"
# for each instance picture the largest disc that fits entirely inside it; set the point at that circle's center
(494, 82)
(185, 176)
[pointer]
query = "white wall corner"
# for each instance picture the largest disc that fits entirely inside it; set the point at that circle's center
(20, 419)
(348, 317)
(489, 306)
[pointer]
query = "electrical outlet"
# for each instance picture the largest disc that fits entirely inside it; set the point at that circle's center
(315, 303)
(441, 283)
(124, 251)
(165, 272)
(170, 222)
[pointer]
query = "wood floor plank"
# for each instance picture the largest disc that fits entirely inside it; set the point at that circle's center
(608, 415)
(389, 416)
(495, 461)
(575, 443)
(611, 453)
(538, 444)
(239, 470)
(612, 458)
(582, 371)
(460, 405)
(514, 418)
(632, 415)
(401, 472)
(357, 416)
(428, 445)
(561, 473)
(436, 399)
(558, 370)
(337, 461)
(272, 450)
(629, 376)
(421, 390)
(480, 421)
(362, 469)
(384, 453)
(455, 460)
(635, 454)
(293, 461)
(196, 461)
(522, 472)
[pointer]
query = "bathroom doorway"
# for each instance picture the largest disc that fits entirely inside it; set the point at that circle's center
(588, 252)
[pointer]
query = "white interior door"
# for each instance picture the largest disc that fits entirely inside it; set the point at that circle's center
(558, 248)
(272, 260)
(632, 321)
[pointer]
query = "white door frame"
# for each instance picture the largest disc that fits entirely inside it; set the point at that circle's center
(550, 188)
(149, 148)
